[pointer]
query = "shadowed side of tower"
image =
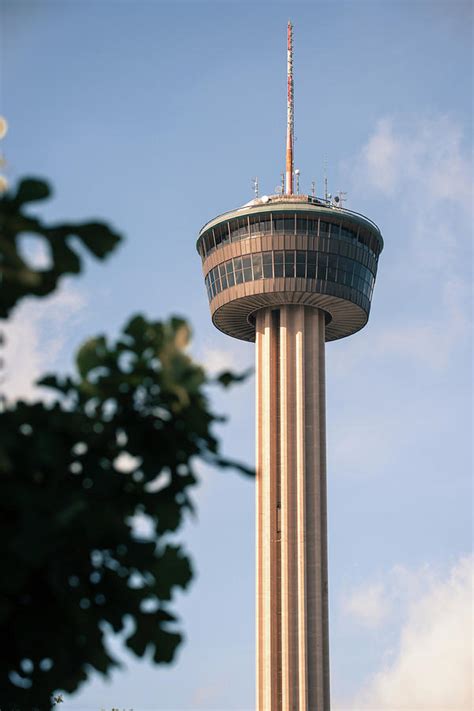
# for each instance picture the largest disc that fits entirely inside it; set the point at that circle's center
(292, 588)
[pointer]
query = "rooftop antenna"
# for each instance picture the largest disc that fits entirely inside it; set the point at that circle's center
(297, 176)
(326, 194)
(255, 186)
(340, 198)
(290, 113)
(282, 187)
(313, 188)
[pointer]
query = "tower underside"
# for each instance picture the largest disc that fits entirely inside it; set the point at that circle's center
(292, 581)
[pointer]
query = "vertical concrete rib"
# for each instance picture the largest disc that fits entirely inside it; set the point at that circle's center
(300, 469)
(288, 444)
(316, 517)
(264, 470)
(259, 338)
(292, 609)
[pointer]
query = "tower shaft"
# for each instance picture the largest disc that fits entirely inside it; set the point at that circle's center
(292, 587)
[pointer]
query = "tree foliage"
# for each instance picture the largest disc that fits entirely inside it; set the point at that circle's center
(115, 449)
(18, 278)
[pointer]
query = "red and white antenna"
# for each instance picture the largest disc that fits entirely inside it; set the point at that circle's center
(290, 115)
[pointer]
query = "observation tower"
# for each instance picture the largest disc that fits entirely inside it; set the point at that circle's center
(291, 272)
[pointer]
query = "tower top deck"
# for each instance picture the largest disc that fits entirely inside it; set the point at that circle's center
(285, 202)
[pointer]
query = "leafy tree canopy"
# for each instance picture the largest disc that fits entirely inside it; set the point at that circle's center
(119, 441)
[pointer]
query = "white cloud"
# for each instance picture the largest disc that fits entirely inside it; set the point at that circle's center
(425, 176)
(369, 604)
(216, 360)
(423, 162)
(431, 667)
(34, 336)
(381, 156)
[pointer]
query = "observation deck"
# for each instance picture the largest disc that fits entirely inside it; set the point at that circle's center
(290, 249)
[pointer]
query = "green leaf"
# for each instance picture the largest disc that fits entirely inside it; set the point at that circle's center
(90, 355)
(227, 378)
(98, 237)
(31, 190)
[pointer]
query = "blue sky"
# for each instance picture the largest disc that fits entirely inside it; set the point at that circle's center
(155, 116)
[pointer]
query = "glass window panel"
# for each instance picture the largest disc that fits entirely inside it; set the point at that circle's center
(311, 269)
(301, 264)
(278, 223)
(257, 266)
(332, 268)
(230, 279)
(323, 227)
(238, 270)
(278, 264)
(289, 264)
(267, 264)
(312, 226)
(254, 224)
(265, 222)
(225, 232)
(233, 231)
(247, 268)
(335, 230)
(322, 266)
(301, 225)
(243, 227)
(345, 264)
(289, 221)
(223, 276)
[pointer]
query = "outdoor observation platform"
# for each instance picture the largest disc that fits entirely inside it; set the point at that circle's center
(290, 249)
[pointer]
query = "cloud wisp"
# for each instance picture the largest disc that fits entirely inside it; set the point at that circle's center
(34, 338)
(431, 666)
(422, 172)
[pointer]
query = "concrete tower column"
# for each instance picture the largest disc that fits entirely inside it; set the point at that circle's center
(292, 581)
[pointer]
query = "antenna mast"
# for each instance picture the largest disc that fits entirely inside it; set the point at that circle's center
(290, 114)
